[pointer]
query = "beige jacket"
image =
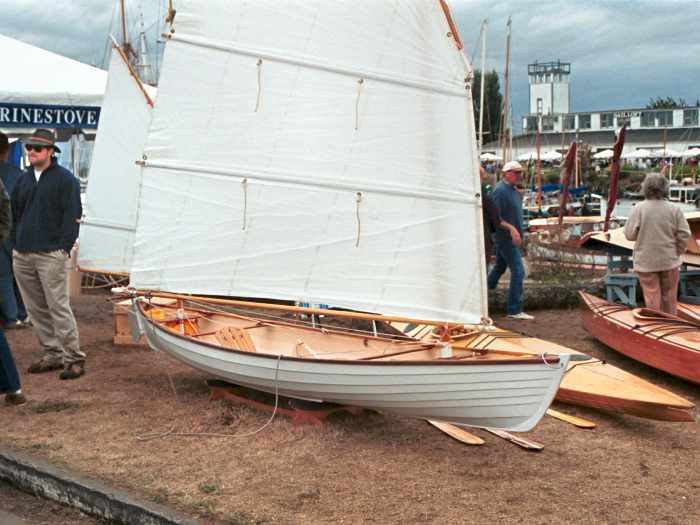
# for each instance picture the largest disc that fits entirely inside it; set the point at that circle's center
(661, 234)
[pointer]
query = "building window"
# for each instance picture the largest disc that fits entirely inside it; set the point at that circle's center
(547, 124)
(569, 121)
(584, 121)
(690, 117)
(606, 120)
(665, 118)
(531, 123)
(647, 119)
(539, 106)
(623, 121)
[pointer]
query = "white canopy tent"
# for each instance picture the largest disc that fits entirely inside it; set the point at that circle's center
(551, 156)
(692, 152)
(526, 157)
(661, 153)
(489, 157)
(41, 89)
(604, 155)
(638, 154)
(42, 77)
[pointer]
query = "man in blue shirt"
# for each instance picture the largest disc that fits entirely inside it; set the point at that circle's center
(509, 201)
(46, 210)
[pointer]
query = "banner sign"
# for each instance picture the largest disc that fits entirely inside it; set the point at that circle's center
(46, 116)
(627, 114)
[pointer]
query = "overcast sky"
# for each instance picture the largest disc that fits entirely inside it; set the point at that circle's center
(622, 52)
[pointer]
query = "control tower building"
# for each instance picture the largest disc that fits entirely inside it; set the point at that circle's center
(549, 88)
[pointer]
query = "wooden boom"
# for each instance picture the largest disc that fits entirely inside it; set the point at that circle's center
(295, 309)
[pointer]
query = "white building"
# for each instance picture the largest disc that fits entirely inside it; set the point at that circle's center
(550, 111)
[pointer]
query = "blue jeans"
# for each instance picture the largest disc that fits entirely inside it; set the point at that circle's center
(9, 378)
(11, 304)
(508, 256)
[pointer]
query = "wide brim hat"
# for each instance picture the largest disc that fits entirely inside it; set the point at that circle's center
(42, 137)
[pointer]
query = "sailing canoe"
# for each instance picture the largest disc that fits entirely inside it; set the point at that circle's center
(590, 383)
(670, 344)
(404, 377)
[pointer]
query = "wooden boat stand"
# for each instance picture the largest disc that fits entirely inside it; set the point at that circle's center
(299, 411)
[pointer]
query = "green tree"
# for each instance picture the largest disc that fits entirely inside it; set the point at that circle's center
(666, 103)
(493, 100)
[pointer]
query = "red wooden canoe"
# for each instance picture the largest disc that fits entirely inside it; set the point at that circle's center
(668, 343)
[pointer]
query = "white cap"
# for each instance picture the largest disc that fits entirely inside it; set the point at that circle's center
(512, 166)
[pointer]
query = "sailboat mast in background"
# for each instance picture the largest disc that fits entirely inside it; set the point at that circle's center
(505, 120)
(481, 87)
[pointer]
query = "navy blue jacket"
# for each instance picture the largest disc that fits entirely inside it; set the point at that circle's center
(46, 213)
(510, 203)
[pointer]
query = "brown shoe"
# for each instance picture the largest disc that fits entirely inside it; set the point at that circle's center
(44, 365)
(15, 399)
(72, 371)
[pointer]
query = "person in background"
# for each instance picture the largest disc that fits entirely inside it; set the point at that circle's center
(509, 202)
(46, 211)
(492, 219)
(9, 378)
(12, 308)
(661, 234)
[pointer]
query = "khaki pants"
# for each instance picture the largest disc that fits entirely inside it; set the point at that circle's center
(43, 281)
(661, 290)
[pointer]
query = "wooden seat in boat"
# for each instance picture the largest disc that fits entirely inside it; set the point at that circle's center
(235, 338)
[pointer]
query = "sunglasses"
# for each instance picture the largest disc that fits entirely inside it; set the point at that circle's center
(32, 147)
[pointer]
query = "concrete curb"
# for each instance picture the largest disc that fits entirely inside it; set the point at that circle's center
(92, 497)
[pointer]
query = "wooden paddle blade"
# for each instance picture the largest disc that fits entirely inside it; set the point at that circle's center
(517, 440)
(457, 433)
(576, 421)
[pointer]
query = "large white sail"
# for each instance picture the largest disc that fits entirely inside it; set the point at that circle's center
(315, 150)
(107, 232)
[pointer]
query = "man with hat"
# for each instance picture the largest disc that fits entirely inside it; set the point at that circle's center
(46, 211)
(509, 201)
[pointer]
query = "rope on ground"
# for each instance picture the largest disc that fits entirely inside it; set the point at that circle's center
(172, 433)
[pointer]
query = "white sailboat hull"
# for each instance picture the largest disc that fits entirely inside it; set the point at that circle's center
(505, 396)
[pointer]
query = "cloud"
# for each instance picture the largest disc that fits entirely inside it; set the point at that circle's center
(78, 29)
(622, 53)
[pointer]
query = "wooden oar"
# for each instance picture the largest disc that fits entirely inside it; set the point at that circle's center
(517, 440)
(576, 421)
(457, 433)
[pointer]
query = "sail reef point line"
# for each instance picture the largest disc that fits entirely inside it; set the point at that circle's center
(97, 223)
(260, 53)
(363, 186)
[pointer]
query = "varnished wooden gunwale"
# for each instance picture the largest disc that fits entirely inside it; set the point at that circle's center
(477, 361)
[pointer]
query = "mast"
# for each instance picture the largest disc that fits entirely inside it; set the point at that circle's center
(506, 103)
(481, 88)
(144, 63)
(126, 46)
(538, 164)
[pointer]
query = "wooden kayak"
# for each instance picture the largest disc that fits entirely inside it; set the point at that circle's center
(592, 383)
(665, 342)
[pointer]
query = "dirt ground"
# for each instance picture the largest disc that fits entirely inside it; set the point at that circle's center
(367, 468)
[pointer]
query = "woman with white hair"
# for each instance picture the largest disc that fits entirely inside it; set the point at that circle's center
(661, 234)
